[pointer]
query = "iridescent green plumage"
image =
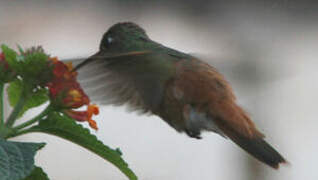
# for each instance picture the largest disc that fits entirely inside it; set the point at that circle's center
(146, 72)
(126, 37)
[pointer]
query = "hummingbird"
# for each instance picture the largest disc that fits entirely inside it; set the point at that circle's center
(184, 91)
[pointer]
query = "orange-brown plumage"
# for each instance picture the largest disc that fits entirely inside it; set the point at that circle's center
(201, 85)
(198, 85)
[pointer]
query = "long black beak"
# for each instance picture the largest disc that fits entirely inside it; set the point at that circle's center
(101, 55)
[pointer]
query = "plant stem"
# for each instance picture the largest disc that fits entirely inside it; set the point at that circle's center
(17, 109)
(1, 105)
(35, 119)
(19, 133)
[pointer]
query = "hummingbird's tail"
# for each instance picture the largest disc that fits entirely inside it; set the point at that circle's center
(236, 124)
(261, 150)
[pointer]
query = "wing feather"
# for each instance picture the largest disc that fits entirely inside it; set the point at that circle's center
(106, 86)
(136, 79)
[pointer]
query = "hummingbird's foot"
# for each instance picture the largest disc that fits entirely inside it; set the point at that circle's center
(193, 134)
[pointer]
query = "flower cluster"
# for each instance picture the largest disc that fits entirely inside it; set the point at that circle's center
(66, 93)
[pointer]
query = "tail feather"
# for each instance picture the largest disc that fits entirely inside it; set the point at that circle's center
(236, 124)
(261, 150)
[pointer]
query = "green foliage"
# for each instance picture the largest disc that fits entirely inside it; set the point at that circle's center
(17, 159)
(6, 74)
(37, 174)
(32, 66)
(34, 98)
(62, 126)
(3, 74)
(10, 56)
(30, 75)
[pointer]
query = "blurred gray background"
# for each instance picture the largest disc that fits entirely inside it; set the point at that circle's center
(268, 50)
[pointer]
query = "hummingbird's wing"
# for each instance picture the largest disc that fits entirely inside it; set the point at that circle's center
(136, 79)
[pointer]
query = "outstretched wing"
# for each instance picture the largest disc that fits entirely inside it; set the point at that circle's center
(136, 80)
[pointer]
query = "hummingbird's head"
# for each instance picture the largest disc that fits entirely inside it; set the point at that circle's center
(123, 36)
(121, 39)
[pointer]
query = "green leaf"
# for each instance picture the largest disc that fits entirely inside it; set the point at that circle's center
(17, 159)
(37, 174)
(31, 65)
(35, 98)
(14, 60)
(6, 72)
(9, 54)
(62, 126)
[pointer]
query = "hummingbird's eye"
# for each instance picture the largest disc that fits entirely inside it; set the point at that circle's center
(110, 40)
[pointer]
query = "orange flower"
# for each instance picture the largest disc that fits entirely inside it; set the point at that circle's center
(67, 94)
(85, 115)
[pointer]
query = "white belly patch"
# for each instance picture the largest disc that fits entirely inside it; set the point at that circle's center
(199, 121)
